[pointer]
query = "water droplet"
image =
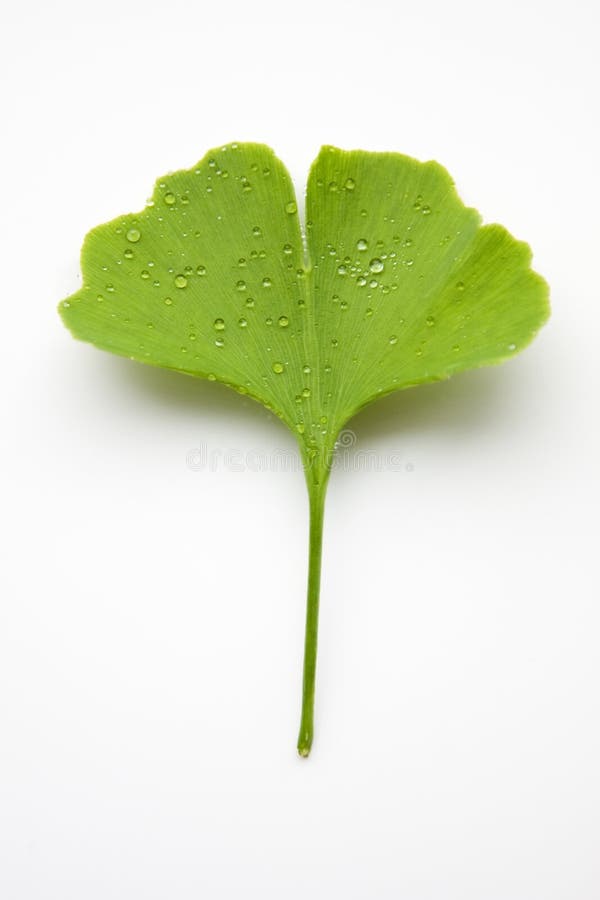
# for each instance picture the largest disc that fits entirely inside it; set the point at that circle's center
(168, 301)
(306, 370)
(460, 286)
(266, 282)
(363, 213)
(169, 198)
(99, 298)
(242, 322)
(376, 265)
(361, 281)
(211, 377)
(323, 420)
(242, 262)
(418, 202)
(219, 324)
(306, 393)
(250, 302)
(344, 304)
(300, 428)
(241, 285)
(456, 348)
(362, 244)
(512, 347)
(201, 270)
(128, 253)
(333, 186)
(394, 339)
(291, 207)
(287, 249)
(426, 210)
(180, 281)
(350, 184)
(66, 304)
(369, 313)
(342, 270)
(192, 336)
(278, 368)
(283, 321)
(256, 231)
(219, 342)
(110, 288)
(133, 235)
(185, 199)
(430, 321)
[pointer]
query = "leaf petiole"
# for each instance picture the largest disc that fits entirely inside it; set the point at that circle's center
(317, 489)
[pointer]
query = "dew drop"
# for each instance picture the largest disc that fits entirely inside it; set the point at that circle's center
(300, 428)
(110, 288)
(133, 235)
(512, 347)
(256, 231)
(283, 321)
(291, 207)
(211, 377)
(376, 265)
(241, 285)
(99, 298)
(394, 339)
(128, 253)
(201, 270)
(180, 281)
(342, 270)
(250, 302)
(333, 186)
(169, 198)
(362, 244)
(266, 282)
(219, 324)
(219, 342)
(430, 321)
(426, 210)
(460, 286)
(277, 368)
(305, 393)
(242, 322)
(306, 370)
(350, 184)
(287, 249)
(168, 301)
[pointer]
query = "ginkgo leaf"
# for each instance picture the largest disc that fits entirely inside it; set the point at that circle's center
(397, 283)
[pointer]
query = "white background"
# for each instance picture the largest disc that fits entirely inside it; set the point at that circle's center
(152, 615)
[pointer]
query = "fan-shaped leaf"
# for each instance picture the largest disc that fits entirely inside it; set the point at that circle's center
(398, 284)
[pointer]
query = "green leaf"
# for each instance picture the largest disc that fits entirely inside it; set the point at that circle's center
(398, 284)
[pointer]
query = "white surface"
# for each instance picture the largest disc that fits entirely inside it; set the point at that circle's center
(152, 615)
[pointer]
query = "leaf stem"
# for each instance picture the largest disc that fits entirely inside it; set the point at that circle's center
(317, 489)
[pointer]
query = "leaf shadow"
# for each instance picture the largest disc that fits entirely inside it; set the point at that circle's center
(469, 400)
